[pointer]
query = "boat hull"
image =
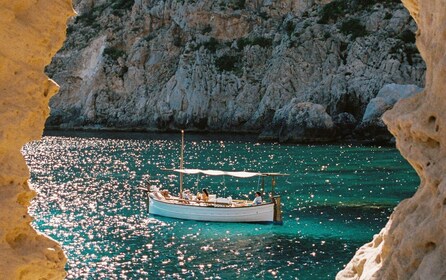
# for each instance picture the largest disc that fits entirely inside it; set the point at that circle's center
(248, 214)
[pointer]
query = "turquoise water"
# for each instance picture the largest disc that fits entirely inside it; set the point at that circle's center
(335, 199)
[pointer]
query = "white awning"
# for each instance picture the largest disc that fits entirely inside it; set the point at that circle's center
(239, 174)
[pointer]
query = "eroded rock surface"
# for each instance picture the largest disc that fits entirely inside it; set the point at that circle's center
(227, 65)
(300, 122)
(413, 244)
(31, 32)
(372, 126)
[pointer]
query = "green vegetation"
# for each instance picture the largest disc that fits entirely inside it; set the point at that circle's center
(334, 10)
(327, 35)
(211, 45)
(122, 4)
(260, 41)
(239, 4)
(354, 28)
(188, 1)
(264, 15)
(227, 62)
(206, 29)
(114, 53)
(343, 48)
(177, 41)
(90, 18)
(234, 4)
(289, 27)
(70, 29)
(405, 45)
(409, 50)
(407, 36)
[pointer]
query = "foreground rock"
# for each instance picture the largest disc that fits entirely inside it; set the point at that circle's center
(24, 95)
(413, 244)
(227, 65)
(372, 127)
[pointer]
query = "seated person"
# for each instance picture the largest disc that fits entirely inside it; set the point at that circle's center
(187, 196)
(258, 199)
(165, 193)
(158, 195)
(205, 195)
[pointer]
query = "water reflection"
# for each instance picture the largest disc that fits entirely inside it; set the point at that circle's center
(335, 199)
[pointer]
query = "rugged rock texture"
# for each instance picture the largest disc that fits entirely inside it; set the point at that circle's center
(31, 32)
(386, 98)
(300, 122)
(227, 65)
(413, 244)
(372, 127)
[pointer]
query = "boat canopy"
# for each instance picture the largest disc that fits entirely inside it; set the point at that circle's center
(239, 174)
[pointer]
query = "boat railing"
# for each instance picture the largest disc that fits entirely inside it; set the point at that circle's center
(197, 201)
(235, 202)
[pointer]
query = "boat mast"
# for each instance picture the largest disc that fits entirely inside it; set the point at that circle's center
(181, 163)
(273, 184)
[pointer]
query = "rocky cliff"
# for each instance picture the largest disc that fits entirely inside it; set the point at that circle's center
(31, 32)
(231, 65)
(413, 245)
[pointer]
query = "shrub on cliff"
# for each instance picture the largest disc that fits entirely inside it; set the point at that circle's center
(114, 53)
(239, 4)
(122, 4)
(289, 27)
(227, 62)
(334, 10)
(354, 28)
(211, 45)
(407, 36)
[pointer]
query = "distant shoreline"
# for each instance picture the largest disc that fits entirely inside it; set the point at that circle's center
(191, 135)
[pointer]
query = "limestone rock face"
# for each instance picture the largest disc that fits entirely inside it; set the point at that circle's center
(226, 65)
(31, 32)
(300, 122)
(372, 125)
(413, 244)
(386, 98)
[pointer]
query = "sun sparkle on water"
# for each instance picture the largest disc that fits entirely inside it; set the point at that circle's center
(334, 200)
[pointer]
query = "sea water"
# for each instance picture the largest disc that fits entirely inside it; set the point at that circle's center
(335, 199)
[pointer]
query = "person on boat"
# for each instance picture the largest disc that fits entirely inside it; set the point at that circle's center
(205, 195)
(157, 195)
(165, 193)
(187, 196)
(258, 199)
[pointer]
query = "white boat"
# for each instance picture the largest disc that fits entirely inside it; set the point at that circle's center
(216, 209)
(213, 213)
